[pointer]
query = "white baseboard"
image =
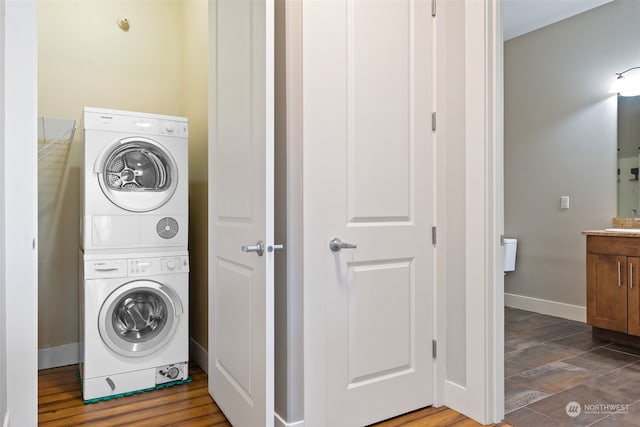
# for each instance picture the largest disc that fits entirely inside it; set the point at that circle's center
(62, 355)
(5, 423)
(199, 354)
(456, 397)
(279, 422)
(543, 306)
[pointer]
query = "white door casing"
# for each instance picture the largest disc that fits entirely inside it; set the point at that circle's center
(368, 179)
(241, 210)
(18, 154)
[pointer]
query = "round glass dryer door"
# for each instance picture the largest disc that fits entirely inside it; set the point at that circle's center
(139, 318)
(137, 174)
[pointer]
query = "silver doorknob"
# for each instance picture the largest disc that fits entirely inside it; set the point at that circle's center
(257, 248)
(336, 244)
(272, 248)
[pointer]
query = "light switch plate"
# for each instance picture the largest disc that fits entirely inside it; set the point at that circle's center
(564, 202)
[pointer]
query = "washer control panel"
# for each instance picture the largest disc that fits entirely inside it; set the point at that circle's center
(142, 267)
(161, 265)
(135, 267)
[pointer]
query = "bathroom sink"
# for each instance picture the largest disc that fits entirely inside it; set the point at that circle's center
(624, 230)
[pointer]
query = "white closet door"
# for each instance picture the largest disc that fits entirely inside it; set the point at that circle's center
(368, 181)
(241, 211)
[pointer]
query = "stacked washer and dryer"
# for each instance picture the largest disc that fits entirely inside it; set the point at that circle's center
(134, 264)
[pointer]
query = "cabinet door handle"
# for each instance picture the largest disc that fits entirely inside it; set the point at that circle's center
(631, 275)
(619, 281)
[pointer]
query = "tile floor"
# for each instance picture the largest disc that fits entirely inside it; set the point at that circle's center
(553, 364)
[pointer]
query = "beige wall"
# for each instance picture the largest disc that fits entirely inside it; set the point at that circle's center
(158, 66)
(560, 139)
(195, 88)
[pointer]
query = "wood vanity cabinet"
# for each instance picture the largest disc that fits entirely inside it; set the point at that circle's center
(613, 283)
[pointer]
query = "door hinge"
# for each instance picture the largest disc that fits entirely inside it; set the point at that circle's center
(433, 8)
(433, 121)
(433, 235)
(502, 240)
(434, 348)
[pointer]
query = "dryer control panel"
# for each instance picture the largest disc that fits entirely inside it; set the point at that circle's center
(135, 123)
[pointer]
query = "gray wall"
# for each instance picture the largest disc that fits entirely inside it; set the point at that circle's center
(560, 139)
(289, 372)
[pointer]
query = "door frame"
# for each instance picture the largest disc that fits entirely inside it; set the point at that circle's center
(482, 396)
(19, 267)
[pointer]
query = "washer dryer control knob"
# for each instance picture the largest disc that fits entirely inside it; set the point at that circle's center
(169, 127)
(171, 264)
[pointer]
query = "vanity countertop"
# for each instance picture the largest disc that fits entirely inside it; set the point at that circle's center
(609, 233)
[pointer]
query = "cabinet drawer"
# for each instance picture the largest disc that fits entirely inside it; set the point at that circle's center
(629, 246)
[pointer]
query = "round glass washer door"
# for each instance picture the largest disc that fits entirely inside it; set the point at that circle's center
(137, 174)
(139, 318)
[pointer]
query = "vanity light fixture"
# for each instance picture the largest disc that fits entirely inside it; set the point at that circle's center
(626, 86)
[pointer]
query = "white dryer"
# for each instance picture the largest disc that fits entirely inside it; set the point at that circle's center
(135, 181)
(134, 324)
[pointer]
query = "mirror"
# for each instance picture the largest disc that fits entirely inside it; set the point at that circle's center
(628, 156)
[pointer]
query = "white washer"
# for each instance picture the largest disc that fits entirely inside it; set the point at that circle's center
(134, 323)
(135, 181)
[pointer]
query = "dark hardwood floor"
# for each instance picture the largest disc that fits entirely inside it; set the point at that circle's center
(60, 404)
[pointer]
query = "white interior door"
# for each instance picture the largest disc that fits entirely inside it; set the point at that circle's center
(241, 211)
(368, 180)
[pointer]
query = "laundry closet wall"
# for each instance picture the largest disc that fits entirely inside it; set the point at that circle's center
(158, 66)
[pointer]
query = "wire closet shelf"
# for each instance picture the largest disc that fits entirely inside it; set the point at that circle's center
(54, 143)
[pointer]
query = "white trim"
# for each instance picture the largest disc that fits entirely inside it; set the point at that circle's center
(62, 355)
(279, 422)
(494, 63)
(481, 397)
(440, 82)
(456, 396)
(199, 354)
(269, 119)
(544, 306)
(5, 423)
(482, 217)
(20, 186)
(314, 270)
